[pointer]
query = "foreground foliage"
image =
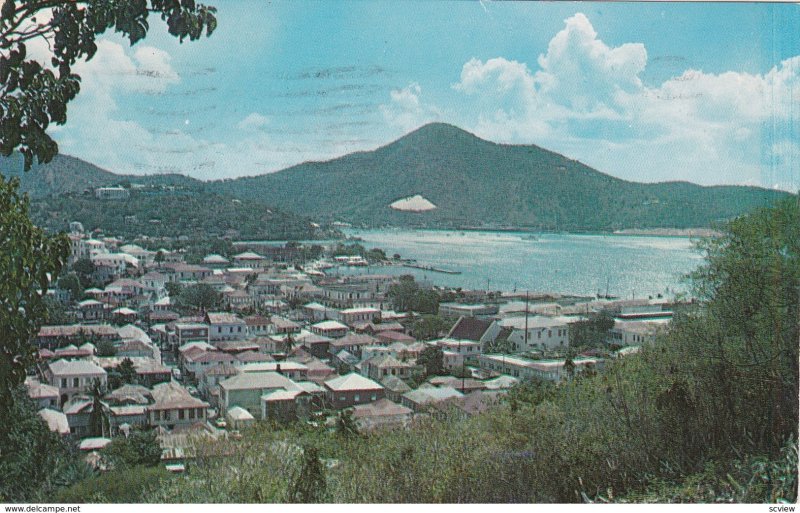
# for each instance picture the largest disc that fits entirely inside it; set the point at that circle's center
(33, 460)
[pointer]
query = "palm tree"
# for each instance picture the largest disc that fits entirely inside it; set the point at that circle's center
(98, 422)
(569, 366)
(288, 344)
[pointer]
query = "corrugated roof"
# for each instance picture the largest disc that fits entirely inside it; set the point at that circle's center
(172, 395)
(395, 384)
(76, 329)
(130, 393)
(223, 318)
(380, 408)
(469, 328)
(222, 369)
(432, 395)
(215, 259)
(38, 390)
(282, 395)
(258, 380)
(75, 368)
(352, 381)
(56, 421)
(248, 255)
(91, 444)
(396, 336)
(329, 325)
(385, 361)
(273, 366)
(354, 339)
(239, 413)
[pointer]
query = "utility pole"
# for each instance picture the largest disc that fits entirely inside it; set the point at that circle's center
(463, 366)
(526, 320)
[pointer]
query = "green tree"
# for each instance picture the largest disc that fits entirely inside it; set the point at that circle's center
(127, 372)
(346, 426)
(430, 327)
(201, 296)
(174, 289)
(55, 312)
(569, 366)
(432, 359)
(71, 283)
(28, 256)
(309, 484)
(106, 348)
(98, 422)
(139, 448)
(591, 332)
(426, 302)
(33, 96)
(31, 456)
(375, 255)
(84, 269)
(288, 343)
(403, 293)
(743, 341)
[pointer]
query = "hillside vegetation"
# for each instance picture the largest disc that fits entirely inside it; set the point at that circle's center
(69, 174)
(474, 182)
(163, 213)
(165, 205)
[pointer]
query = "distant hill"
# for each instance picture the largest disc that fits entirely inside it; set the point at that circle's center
(470, 182)
(168, 205)
(194, 213)
(70, 174)
(474, 182)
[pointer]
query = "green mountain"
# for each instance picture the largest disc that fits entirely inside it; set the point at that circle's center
(167, 205)
(161, 212)
(69, 174)
(474, 182)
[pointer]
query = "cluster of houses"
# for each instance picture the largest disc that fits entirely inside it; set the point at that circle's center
(288, 344)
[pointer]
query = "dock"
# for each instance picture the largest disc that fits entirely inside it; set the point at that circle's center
(431, 268)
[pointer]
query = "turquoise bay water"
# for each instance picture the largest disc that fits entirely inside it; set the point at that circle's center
(563, 263)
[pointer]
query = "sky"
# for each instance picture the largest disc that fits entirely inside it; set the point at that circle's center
(708, 93)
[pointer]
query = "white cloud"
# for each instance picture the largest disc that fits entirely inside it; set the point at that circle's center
(253, 121)
(147, 71)
(581, 71)
(406, 111)
(586, 99)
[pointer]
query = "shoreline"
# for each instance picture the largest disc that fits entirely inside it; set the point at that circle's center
(626, 232)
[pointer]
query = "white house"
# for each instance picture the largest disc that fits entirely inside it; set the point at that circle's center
(225, 326)
(542, 332)
(524, 368)
(73, 377)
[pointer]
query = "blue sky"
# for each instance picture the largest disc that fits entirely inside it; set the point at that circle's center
(644, 91)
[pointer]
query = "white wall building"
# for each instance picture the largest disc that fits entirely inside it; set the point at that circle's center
(112, 193)
(542, 332)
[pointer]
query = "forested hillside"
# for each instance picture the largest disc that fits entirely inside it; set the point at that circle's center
(474, 182)
(70, 174)
(157, 212)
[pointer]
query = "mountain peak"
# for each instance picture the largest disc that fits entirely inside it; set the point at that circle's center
(439, 130)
